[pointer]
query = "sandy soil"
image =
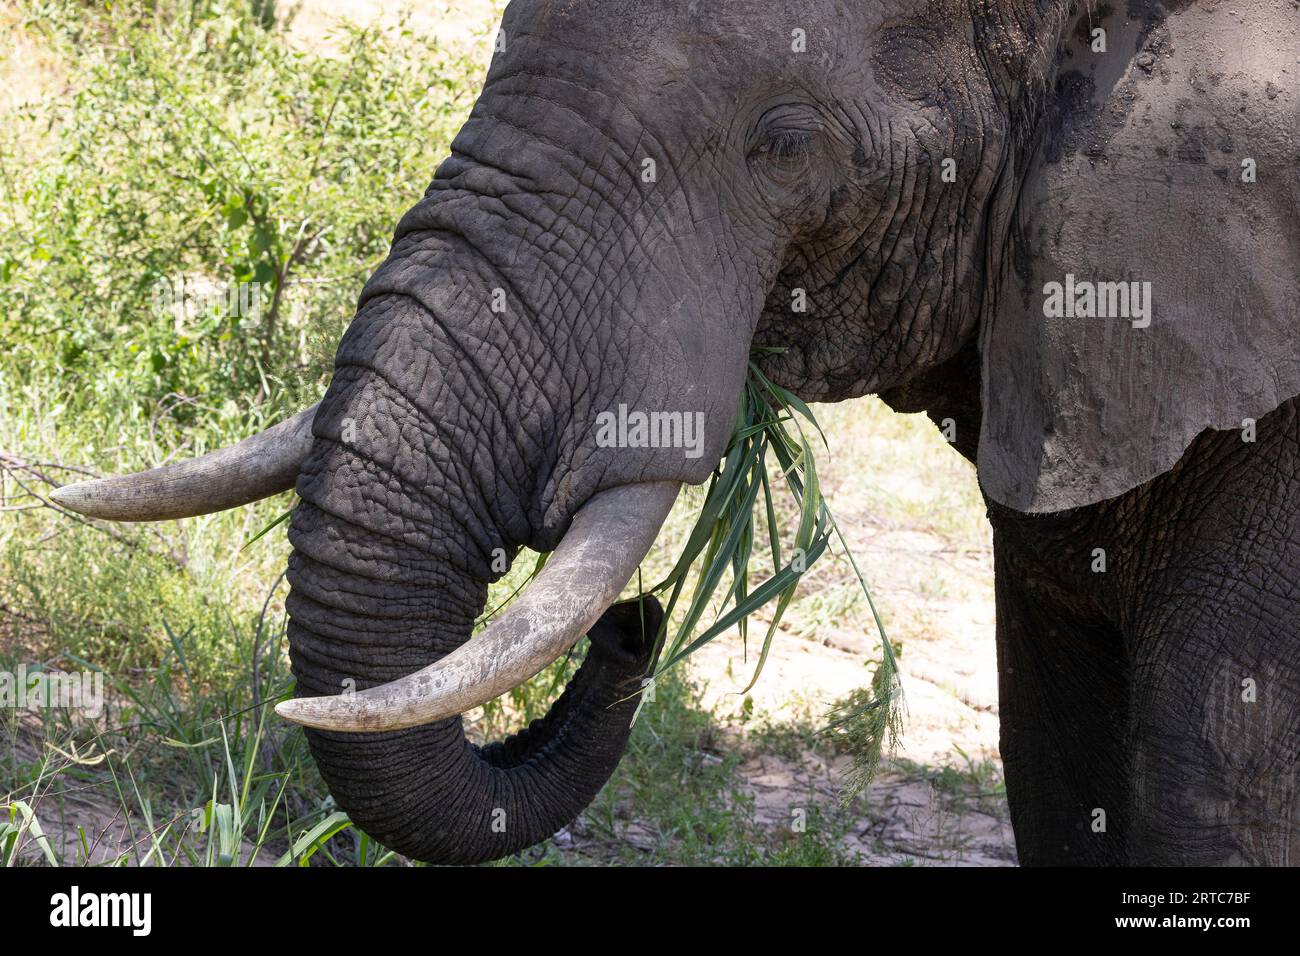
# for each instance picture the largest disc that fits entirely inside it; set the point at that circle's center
(950, 681)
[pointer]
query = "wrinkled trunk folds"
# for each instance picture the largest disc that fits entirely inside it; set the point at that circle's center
(428, 792)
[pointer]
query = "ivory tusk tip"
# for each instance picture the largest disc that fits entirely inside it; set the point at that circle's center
(78, 497)
(320, 713)
(291, 710)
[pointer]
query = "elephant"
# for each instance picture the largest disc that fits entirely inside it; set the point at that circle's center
(1068, 231)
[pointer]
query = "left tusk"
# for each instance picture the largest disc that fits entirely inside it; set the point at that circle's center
(609, 536)
(255, 468)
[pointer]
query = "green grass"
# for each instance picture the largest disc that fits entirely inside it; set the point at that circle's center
(970, 779)
(198, 782)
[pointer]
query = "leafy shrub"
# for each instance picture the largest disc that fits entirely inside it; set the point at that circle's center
(196, 142)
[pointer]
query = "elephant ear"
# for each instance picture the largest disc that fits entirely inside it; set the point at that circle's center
(1142, 175)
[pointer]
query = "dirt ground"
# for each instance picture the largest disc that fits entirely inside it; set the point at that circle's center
(936, 801)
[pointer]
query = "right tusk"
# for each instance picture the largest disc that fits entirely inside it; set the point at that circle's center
(255, 468)
(609, 536)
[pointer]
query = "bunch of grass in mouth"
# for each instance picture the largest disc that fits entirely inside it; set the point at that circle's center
(771, 422)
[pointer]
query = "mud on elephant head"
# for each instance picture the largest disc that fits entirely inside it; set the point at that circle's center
(644, 192)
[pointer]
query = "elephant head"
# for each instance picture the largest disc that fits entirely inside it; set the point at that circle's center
(643, 193)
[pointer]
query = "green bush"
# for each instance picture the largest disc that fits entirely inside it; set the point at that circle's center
(198, 143)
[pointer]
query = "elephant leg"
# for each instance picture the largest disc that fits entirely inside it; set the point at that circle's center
(1214, 636)
(1063, 694)
(1216, 728)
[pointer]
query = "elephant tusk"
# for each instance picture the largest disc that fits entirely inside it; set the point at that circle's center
(609, 536)
(255, 468)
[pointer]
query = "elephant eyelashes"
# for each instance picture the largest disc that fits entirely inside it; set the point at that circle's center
(787, 148)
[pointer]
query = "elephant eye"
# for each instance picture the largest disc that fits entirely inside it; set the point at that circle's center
(785, 147)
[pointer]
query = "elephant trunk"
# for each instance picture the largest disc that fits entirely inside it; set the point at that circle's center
(445, 442)
(427, 792)
(468, 416)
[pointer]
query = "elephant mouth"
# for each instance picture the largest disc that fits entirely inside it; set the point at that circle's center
(609, 536)
(607, 539)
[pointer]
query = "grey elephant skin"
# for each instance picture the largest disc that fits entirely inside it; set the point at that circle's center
(1069, 232)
